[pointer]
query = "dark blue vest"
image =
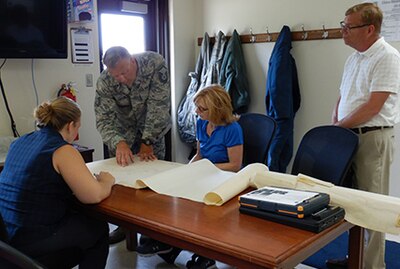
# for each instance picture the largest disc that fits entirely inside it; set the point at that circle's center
(33, 196)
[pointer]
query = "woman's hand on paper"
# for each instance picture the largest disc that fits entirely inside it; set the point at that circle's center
(105, 177)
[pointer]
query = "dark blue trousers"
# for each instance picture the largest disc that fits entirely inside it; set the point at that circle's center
(79, 238)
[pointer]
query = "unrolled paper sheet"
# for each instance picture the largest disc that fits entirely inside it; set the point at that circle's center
(128, 175)
(199, 181)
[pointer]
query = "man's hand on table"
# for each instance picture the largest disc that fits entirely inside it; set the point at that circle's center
(124, 154)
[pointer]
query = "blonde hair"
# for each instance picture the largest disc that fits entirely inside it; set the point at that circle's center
(370, 14)
(218, 103)
(57, 113)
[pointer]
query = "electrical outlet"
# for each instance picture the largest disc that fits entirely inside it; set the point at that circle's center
(89, 80)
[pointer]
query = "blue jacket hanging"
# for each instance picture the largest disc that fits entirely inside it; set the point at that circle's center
(282, 100)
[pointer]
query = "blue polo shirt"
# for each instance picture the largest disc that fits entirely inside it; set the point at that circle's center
(215, 147)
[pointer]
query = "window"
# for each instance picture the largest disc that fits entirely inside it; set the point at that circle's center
(122, 30)
(134, 25)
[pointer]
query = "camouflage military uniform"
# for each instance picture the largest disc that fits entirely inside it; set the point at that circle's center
(141, 111)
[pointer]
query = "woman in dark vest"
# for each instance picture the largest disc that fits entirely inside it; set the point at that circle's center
(43, 174)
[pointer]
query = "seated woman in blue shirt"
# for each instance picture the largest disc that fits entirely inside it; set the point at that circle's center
(43, 173)
(219, 136)
(219, 139)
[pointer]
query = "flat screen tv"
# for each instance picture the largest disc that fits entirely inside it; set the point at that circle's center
(33, 29)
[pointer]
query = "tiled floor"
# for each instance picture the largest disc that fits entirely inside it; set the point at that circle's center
(121, 258)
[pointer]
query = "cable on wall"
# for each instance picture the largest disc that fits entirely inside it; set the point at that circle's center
(34, 83)
(13, 125)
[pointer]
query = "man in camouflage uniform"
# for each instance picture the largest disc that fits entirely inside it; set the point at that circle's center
(132, 105)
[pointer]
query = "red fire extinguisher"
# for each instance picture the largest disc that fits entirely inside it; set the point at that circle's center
(68, 91)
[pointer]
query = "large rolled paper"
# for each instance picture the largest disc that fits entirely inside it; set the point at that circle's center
(202, 181)
(236, 184)
(273, 179)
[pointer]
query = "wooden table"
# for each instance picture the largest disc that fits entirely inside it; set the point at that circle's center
(221, 233)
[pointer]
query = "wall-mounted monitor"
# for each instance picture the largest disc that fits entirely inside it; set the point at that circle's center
(33, 29)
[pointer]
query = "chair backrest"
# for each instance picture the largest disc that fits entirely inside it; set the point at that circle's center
(326, 153)
(258, 130)
(10, 257)
(3, 231)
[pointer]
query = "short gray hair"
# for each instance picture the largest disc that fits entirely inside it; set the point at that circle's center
(370, 14)
(114, 54)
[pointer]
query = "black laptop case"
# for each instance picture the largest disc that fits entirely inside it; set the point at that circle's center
(315, 222)
(290, 202)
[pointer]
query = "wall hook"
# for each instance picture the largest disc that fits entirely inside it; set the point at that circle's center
(305, 34)
(325, 34)
(269, 37)
(253, 37)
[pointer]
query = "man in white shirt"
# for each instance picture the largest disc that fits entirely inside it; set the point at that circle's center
(369, 105)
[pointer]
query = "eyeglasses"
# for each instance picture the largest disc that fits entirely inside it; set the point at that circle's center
(201, 109)
(346, 27)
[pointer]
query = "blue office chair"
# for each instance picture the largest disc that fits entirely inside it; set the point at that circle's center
(326, 153)
(258, 131)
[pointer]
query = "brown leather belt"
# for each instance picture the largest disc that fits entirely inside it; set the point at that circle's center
(363, 130)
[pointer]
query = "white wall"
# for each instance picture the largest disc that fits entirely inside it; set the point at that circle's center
(319, 63)
(183, 16)
(319, 69)
(49, 75)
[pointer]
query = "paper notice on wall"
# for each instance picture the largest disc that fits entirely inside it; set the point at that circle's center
(391, 19)
(82, 45)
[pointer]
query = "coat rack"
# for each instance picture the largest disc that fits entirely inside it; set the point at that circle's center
(303, 35)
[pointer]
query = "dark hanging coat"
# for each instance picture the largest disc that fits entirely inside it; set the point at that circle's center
(233, 75)
(282, 100)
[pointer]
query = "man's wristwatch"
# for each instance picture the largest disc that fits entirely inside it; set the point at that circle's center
(147, 142)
